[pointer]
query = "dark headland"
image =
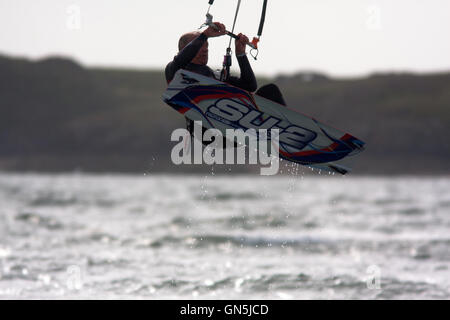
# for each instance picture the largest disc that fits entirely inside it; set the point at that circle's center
(56, 115)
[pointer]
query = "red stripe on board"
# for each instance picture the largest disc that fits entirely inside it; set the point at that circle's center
(208, 97)
(183, 110)
(331, 147)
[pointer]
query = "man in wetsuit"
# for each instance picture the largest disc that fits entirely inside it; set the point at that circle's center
(193, 56)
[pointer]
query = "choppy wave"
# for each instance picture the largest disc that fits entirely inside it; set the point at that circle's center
(94, 236)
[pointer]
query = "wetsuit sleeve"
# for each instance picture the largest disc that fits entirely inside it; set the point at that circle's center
(247, 81)
(184, 56)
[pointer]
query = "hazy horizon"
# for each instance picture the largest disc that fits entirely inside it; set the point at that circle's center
(274, 75)
(350, 39)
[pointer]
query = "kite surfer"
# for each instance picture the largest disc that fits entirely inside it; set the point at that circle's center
(193, 56)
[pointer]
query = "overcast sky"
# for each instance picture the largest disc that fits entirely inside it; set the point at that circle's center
(340, 38)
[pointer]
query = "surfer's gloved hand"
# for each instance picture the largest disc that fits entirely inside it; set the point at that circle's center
(240, 43)
(220, 30)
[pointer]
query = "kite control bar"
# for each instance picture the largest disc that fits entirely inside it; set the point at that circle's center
(253, 44)
(209, 23)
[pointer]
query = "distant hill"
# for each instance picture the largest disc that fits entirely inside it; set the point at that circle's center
(57, 115)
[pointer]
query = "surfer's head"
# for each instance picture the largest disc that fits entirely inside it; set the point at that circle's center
(202, 55)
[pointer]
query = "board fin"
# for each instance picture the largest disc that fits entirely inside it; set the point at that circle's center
(331, 167)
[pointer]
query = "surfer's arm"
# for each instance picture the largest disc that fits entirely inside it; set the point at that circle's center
(247, 81)
(184, 56)
(188, 53)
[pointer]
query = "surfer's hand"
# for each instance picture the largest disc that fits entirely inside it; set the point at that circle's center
(241, 42)
(215, 32)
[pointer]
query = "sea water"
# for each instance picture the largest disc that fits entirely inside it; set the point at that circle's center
(86, 236)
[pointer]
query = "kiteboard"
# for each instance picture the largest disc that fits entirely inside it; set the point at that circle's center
(219, 105)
